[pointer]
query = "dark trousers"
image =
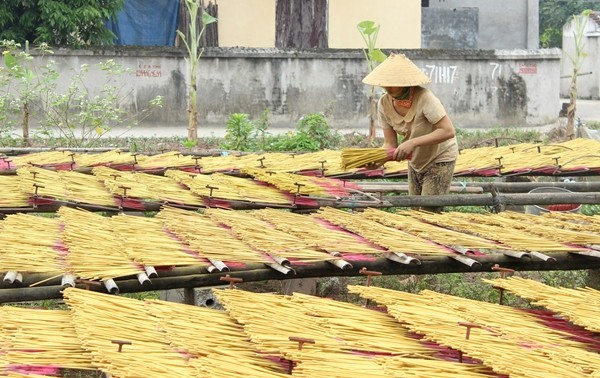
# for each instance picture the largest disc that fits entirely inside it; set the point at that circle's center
(435, 179)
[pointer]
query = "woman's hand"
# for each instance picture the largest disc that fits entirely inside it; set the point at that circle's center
(372, 166)
(404, 151)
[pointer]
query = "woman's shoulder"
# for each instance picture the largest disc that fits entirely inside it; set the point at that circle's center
(423, 92)
(385, 102)
(426, 96)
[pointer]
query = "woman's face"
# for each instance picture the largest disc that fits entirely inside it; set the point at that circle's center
(395, 91)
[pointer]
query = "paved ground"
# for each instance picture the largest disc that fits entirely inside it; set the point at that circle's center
(587, 111)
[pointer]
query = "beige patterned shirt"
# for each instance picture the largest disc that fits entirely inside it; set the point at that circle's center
(426, 111)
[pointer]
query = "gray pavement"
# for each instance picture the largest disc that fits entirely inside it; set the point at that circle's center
(587, 111)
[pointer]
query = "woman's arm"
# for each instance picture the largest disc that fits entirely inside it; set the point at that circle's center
(390, 138)
(443, 130)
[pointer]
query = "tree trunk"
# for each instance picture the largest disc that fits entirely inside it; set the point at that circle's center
(372, 113)
(193, 110)
(572, 106)
(26, 139)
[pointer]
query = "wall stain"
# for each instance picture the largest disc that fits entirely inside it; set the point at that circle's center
(350, 94)
(512, 97)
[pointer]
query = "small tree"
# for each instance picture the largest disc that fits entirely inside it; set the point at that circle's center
(75, 116)
(79, 117)
(19, 77)
(579, 27)
(194, 51)
(369, 30)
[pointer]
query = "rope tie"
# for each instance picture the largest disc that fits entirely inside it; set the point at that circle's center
(497, 201)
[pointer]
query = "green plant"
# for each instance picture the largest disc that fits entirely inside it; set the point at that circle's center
(46, 304)
(194, 53)
(316, 131)
(189, 143)
(369, 30)
(312, 133)
(75, 373)
(143, 295)
(594, 125)
(468, 209)
(238, 134)
(58, 22)
(261, 135)
(563, 278)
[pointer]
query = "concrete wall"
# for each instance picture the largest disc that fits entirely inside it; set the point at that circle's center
(479, 88)
(444, 28)
(507, 24)
(588, 84)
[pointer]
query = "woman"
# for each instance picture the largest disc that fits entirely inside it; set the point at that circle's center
(407, 109)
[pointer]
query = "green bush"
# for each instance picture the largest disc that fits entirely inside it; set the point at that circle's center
(58, 23)
(315, 131)
(239, 133)
(594, 125)
(312, 133)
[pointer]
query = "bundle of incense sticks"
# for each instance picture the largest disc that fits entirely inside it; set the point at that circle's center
(361, 157)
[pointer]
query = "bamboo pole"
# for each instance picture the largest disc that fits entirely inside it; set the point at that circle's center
(43, 279)
(387, 201)
(430, 265)
(523, 187)
(402, 187)
(491, 200)
(466, 187)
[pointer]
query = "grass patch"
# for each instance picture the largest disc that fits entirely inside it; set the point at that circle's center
(73, 373)
(499, 136)
(142, 296)
(594, 125)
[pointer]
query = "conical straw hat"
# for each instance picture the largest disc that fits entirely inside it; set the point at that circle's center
(396, 71)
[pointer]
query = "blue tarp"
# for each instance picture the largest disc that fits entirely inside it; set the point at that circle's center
(146, 23)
